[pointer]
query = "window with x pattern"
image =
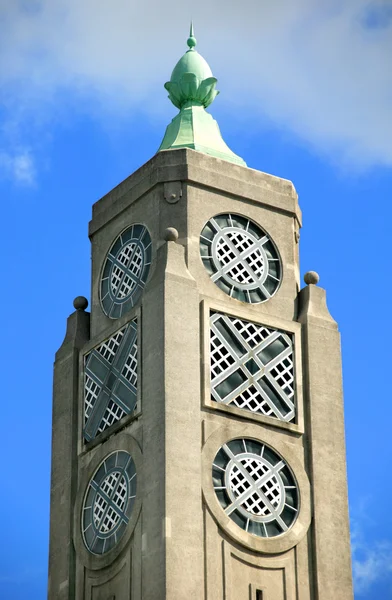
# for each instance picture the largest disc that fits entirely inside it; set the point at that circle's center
(240, 258)
(255, 487)
(108, 502)
(110, 381)
(125, 271)
(252, 367)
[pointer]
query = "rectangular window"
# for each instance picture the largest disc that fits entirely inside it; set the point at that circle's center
(252, 367)
(110, 380)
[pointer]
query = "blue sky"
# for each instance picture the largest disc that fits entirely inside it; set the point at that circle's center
(305, 94)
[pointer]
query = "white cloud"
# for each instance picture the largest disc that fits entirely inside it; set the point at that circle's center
(371, 562)
(18, 167)
(316, 67)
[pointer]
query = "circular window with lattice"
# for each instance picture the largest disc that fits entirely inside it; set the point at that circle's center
(240, 258)
(255, 487)
(125, 271)
(108, 502)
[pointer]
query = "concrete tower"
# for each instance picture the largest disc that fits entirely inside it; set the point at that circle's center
(198, 437)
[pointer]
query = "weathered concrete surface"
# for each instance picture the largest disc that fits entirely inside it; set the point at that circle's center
(326, 447)
(64, 457)
(180, 545)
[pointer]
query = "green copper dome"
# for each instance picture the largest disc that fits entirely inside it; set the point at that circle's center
(191, 89)
(191, 62)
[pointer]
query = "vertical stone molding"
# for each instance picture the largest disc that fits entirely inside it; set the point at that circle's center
(172, 519)
(184, 536)
(324, 420)
(64, 456)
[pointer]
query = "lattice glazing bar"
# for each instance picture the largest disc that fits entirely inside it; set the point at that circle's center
(108, 502)
(255, 487)
(241, 258)
(110, 381)
(125, 271)
(252, 367)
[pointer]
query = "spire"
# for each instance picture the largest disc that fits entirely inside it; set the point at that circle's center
(192, 89)
(192, 41)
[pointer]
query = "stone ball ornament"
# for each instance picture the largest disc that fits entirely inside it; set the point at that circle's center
(311, 278)
(171, 234)
(80, 303)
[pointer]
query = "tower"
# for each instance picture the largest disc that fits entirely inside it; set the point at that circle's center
(198, 438)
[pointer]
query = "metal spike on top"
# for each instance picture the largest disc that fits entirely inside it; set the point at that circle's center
(191, 41)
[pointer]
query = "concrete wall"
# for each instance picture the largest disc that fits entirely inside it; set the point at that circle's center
(180, 544)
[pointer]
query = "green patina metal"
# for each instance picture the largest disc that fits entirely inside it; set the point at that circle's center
(191, 89)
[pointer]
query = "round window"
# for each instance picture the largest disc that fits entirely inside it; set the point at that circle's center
(255, 487)
(125, 271)
(108, 502)
(240, 258)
